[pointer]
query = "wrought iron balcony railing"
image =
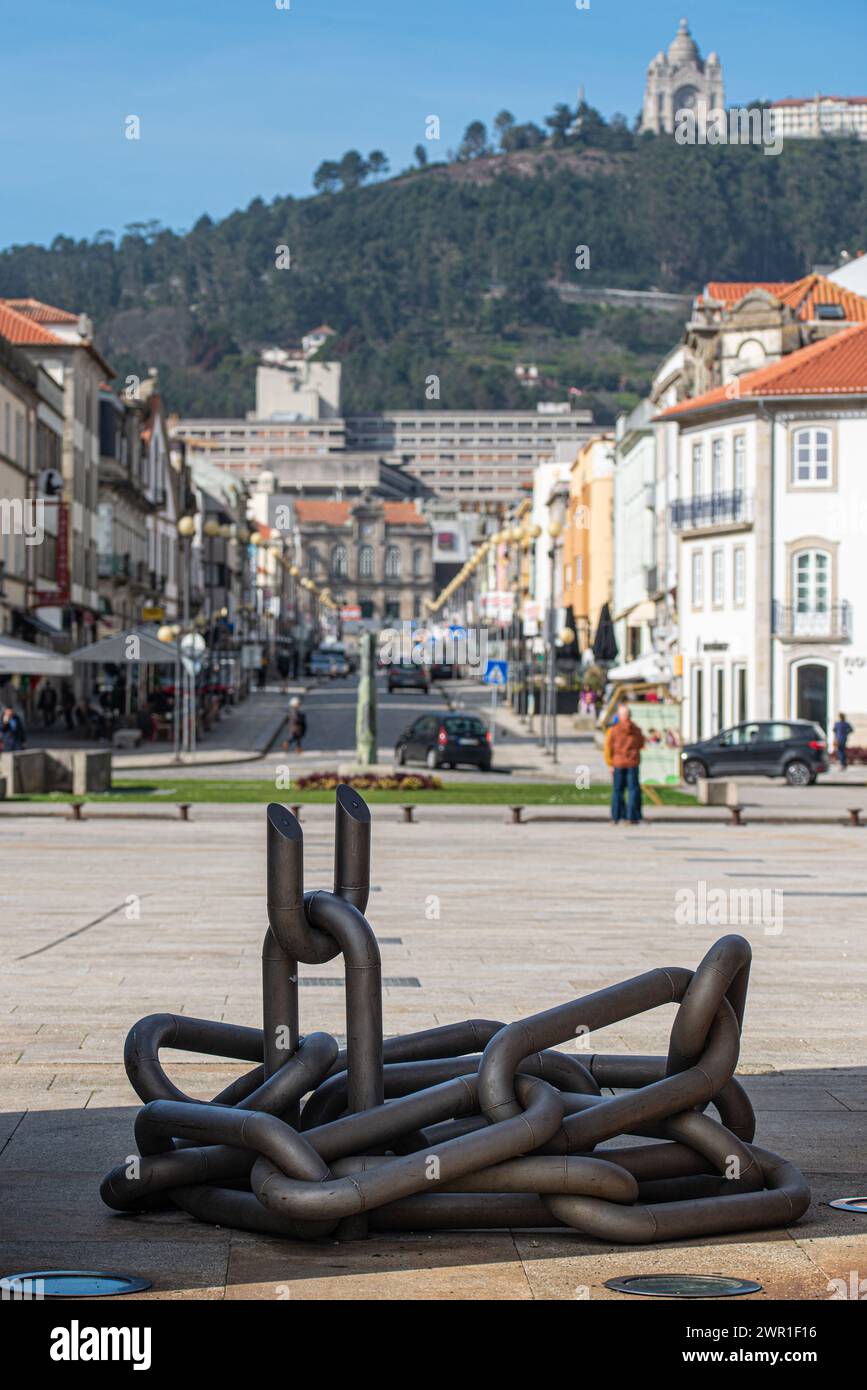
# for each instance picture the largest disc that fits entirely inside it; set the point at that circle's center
(832, 623)
(710, 509)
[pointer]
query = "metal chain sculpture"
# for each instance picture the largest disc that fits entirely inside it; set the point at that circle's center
(476, 1124)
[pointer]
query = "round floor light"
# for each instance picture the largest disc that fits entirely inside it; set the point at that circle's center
(36, 1284)
(856, 1204)
(683, 1285)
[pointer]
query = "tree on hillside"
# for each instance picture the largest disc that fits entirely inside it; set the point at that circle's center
(352, 169)
(420, 156)
(475, 141)
(327, 177)
(503, 123)
(560, 121)
(377, 163)
(522, 137)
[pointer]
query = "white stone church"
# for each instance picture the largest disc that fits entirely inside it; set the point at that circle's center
(678, 81)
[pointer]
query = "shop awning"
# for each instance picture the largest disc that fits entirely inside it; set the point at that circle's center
(26, 659)
(120, 648)
(650, 667)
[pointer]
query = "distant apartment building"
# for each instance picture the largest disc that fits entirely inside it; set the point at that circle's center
(812, 118)
(481, 459)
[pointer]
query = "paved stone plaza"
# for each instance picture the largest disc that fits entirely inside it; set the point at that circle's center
(115, 918)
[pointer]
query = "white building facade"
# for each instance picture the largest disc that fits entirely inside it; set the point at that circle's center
(771, 515)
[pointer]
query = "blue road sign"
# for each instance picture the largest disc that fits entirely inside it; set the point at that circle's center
(496, 673)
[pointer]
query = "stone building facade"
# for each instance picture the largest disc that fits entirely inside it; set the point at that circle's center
(371, 553)
(680, 80)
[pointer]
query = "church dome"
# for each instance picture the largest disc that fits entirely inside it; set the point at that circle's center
(683, 48)
(712, 60)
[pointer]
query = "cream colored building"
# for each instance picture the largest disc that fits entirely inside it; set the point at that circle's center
(812, 118)
(680, 80)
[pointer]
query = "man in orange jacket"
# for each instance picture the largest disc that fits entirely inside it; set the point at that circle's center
(623, 744)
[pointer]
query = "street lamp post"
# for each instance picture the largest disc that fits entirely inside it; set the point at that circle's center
(186, 530)
(555, 530)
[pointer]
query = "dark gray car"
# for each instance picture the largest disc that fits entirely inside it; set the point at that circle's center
(793, 748)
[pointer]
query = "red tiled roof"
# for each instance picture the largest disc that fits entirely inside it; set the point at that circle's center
(836, 366)
(403, 514)
(20, 329)
(733, 291)
(801, 296)
(325, 513)
(809, 101)
(41, 313)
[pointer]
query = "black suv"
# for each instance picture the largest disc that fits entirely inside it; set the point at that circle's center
(794, 749)
(444, 740)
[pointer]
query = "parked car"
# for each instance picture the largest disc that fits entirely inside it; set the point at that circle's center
(329, 661)
(443, 671)
(406, 675)
(795, 749)
(446, 740)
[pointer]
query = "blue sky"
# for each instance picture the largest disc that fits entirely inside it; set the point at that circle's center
(238, 99)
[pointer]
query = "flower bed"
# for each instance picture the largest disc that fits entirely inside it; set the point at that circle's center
(372, 781)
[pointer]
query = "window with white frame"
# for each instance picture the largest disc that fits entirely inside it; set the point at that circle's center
(716, 485)
(717, 578)
(365, 562)
(392, 562)
(739, 577)
(740, 462)
(811, 457)
(812, 581)
(697, 579)
(697, 469)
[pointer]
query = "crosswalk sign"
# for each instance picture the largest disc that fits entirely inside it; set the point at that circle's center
(496, 673)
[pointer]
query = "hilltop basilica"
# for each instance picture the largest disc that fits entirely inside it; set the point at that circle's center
(679, 80)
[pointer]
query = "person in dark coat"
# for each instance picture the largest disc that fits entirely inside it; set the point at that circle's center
(297, 726)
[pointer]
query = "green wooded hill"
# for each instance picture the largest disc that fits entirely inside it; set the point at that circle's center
(455, 270)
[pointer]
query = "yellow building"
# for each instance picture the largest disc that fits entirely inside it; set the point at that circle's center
(588, 543)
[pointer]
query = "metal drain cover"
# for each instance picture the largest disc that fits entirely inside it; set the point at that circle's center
(36, 1284)
(856, 1204)
(683, 1285)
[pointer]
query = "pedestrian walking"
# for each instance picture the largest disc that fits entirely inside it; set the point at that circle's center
(842, 730)
(297, 726)
(14, 734)
(67, 704)
(623, 744)
(47, 704)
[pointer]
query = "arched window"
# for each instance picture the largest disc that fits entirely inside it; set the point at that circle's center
(392, 562)
(811, 457)
(339, 564)
(365, 562)
(418, 562)
(314, 560)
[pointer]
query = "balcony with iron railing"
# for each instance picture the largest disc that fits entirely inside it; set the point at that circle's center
(832, 623)
(712, 511)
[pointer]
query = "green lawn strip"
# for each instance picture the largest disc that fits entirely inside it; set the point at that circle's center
(196, 790)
